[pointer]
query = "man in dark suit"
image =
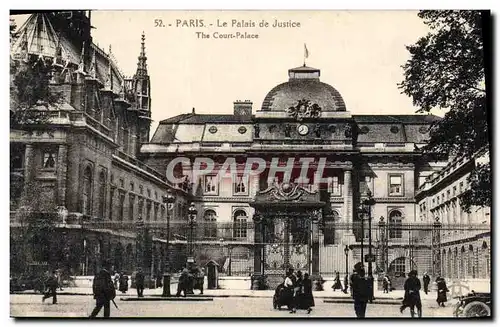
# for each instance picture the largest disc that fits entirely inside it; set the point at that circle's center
(104, 291)
(139, 282)
(51, 284)
(360, 290)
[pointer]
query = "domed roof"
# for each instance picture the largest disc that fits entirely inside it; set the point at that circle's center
(304, 83)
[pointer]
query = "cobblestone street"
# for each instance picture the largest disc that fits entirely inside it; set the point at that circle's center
(81, 306)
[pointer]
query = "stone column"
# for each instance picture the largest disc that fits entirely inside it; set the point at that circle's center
(348, 200)
(62, 167)
(29, 163)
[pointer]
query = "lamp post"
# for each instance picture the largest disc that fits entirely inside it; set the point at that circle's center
(168, 200)
(346, 252)
(381, 228)
(361, 213)
(192, 212)
(436, 242)
(368, 202)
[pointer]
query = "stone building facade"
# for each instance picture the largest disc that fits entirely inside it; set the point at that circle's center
(83, 168)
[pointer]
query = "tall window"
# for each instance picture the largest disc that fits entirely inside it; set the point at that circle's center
(148, 210)
(395, 185)
(140, 207)
(240, 185)
(87, 192)
(131, 200)
(334, 186)
(102, 194)
(240, 224)
(329, 229)
(210, 222)
(395, 221)
(210, 185)
(111, 202)
(122, 206)
(125, 139)
(156, 212)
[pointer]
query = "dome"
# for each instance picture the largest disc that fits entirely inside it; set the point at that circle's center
(304, 83)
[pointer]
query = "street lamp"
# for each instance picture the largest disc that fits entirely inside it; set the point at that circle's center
(168, 200)
(436, 242)
(383, 242)
(223, 244)
(192, 212)
(346, 252)
(368, 202)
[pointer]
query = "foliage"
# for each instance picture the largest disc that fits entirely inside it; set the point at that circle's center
(446, 71)
(31, 93)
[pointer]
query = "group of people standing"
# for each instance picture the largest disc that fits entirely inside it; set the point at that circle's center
(297, 291)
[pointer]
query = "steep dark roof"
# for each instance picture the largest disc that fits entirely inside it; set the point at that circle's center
(401, 119)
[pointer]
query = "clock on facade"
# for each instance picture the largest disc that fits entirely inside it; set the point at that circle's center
(303, 129)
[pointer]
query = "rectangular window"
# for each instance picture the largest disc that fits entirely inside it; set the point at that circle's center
(156, 212)
(49, 159)
(140, 207)
(334, 186)
(131, 186)
(210, 185)
(240, 185)
(111, 204)
(122, 206)
(122, 183)
(395, 185)
(148, 210)
(131, 201)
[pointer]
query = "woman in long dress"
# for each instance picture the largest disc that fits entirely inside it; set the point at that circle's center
(441, 291)
(307, 299)
(337, 285)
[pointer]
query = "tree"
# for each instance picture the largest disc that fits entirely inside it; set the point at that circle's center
(446, 71)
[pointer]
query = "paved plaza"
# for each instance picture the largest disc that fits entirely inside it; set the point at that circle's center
(29, 305)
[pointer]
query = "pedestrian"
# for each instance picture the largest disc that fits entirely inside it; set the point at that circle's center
(360, 290)
(59, 279)
(288, 291)
(116, 279)
(412, 295)
(441, 291)
(123, 283)
(297, 292)
(306, 301)
(426, 279)
(182, 285)
(385, 284)
(104, 291)
(336, 283)
(51, 285)
(139, 283)
(346, 283)
(201, 277)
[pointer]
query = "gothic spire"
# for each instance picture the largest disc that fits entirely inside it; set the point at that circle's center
(142, 69)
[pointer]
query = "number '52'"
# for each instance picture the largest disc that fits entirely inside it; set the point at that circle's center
(159, 23)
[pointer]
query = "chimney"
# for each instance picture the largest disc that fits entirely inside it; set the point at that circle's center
(243, 108)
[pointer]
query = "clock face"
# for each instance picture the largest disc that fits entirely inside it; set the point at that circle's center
(303, 129)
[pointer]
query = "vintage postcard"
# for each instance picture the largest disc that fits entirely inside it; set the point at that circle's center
(251, 164)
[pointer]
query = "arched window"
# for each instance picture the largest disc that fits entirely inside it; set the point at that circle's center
(463, 264)
(240, 224)
(101, 194)
(470, 262)
(398, 266)
(395, 218)
(87, 192)
(210, 224)
(329, 227)
(486, 265)
(449, 265)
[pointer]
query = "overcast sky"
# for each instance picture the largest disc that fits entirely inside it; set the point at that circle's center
(360, 53)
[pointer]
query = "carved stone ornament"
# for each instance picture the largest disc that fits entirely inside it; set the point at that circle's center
(286, 192)
(304, 109)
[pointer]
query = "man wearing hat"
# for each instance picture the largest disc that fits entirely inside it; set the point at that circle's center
(360, 290)
(426, 279)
